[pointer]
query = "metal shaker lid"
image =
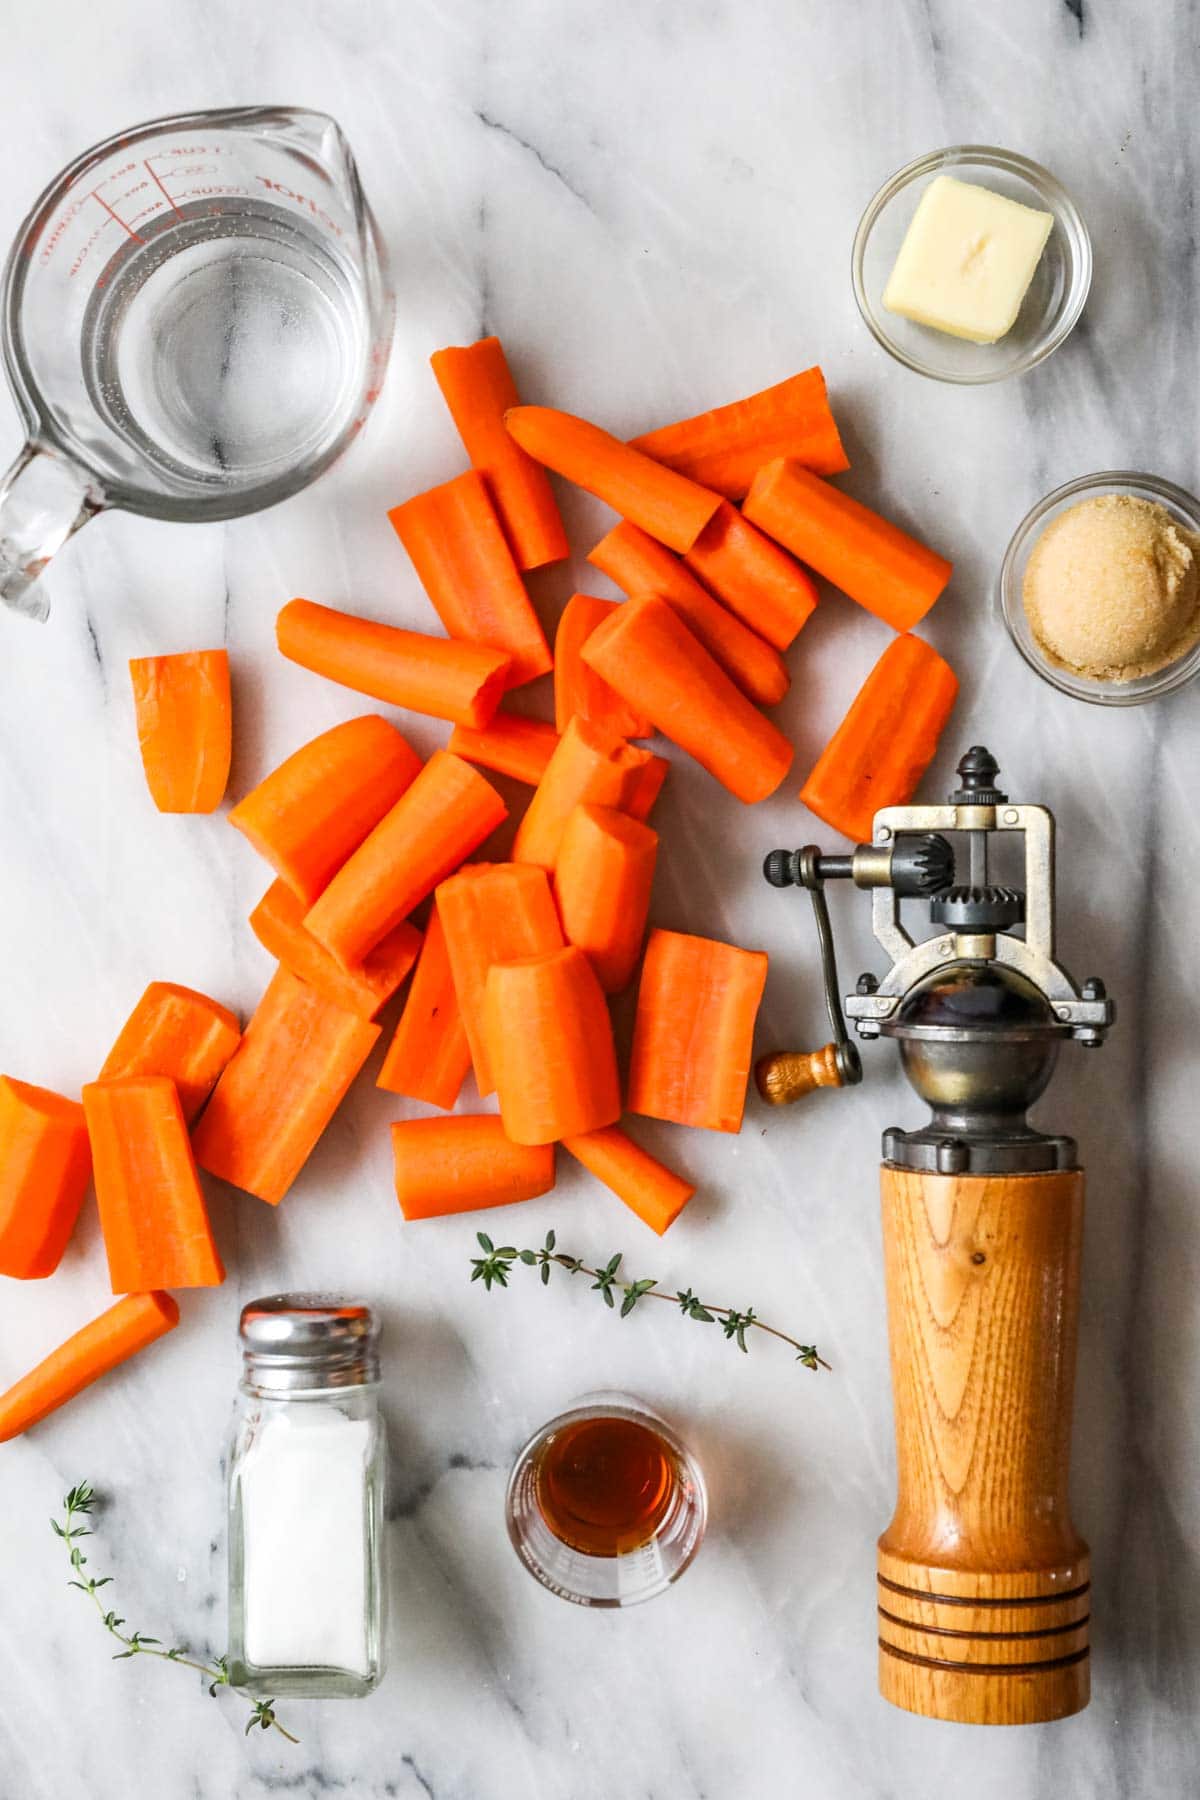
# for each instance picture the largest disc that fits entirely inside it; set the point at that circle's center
(305, 1342)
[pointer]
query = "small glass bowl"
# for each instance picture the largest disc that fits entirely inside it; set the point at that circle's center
(1050, 308)
(630, 1576)
(1182, 506)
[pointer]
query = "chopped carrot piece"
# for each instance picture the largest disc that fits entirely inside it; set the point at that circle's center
(578, 689)
(478, 387)
(872, 560)
(725, 448)
(643, 567)
(103, 1344)
(443, 677)
(757, 580)
(152, 1211)
(886, 741)
(429, 1056)
(648, 654)
(510, 745)
(655, 1193)
(449, 810)
(647, 788)
(602, 883)
(667, 505)
(493, 912)
(177, 1032)
(694, 1029)
(459, 1164)
(310, 813)
(184, 727)
(278, 924)
(456, 545)
(550, 1046)
(589, 763)
(45, 1164)
(298, 1057)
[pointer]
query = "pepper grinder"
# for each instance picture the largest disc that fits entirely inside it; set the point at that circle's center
(983, 1580)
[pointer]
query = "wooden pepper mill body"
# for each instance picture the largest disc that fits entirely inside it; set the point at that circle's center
(983, 1579)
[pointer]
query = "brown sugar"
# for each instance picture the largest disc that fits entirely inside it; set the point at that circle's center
(1112, 588)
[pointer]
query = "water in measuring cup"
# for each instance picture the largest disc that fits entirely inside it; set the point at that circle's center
(228, 349)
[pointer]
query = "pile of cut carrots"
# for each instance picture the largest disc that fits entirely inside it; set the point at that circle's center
(383, 869)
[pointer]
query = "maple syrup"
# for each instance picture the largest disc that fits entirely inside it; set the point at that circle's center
(605, 1505)
(605, 1485)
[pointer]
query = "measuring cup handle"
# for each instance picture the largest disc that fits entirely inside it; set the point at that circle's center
(44, 497)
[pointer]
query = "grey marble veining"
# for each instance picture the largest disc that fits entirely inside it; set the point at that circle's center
(653, 203)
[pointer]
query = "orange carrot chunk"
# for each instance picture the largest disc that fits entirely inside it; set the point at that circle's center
(185, 728)
(429, 1056)
(602, 883)
(152, 1210)
(872, 560)
(442, 677)
(511, 745)
(103, 1344)
(459, 1164)
(762, 584)
(647, 788)
(311, 812)
(278, 924)
(667, 505)
(176, 1032)
(45, 1163)
(590, 763)
(454, 540)
(490, 913)
(655, 1193)
(886, 741)
(298, 1057)
(648, 654)
(692, 1036)
(550, 1045)
(478, 387)
(578, 689)
(725, 448)
(641, 566)
(449, 809)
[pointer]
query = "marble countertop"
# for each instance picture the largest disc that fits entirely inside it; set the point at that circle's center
(652, 202)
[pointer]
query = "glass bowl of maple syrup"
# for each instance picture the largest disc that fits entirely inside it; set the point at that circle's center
(606, 1506)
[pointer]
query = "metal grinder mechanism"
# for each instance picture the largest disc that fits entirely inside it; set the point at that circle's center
(983, 1579)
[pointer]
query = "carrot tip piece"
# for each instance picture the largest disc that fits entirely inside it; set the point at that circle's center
(185, 727)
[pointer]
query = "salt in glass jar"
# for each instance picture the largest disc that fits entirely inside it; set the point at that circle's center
(306, 1498)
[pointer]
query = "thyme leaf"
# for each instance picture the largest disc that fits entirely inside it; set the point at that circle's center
(79, 1504)
(494, 1267)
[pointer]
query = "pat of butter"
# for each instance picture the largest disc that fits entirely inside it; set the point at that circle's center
(967, 260)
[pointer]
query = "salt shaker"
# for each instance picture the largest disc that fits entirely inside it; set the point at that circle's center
(306, 1494)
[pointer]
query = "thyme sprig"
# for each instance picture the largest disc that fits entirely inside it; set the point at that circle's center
(78, 1505)
(495, 1265)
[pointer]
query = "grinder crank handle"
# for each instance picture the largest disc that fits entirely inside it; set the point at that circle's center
(983, 1579)
(786, 1075)
(912, 866)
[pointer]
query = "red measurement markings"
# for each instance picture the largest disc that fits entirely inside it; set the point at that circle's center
(66, 219)
(136, 235)
(302, 200)
(85, 248)
(162, 190)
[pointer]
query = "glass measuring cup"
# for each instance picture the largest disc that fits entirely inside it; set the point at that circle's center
(196, 320)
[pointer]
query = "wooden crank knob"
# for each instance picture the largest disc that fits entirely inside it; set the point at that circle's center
(788, 1075)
